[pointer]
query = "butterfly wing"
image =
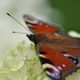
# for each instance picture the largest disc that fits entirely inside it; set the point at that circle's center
(56, 65)
(58, 52)
(64, 43)
(38, 26)
(73, 47)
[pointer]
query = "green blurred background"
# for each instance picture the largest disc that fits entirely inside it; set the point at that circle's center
(71, 12)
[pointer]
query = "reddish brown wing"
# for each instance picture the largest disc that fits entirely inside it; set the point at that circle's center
(56, 65)
(70, 45)
(64, 43)
(38, 26)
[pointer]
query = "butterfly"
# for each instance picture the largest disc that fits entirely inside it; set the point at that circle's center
(58, 52)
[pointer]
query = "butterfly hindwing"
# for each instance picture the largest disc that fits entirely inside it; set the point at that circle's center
(54, 62)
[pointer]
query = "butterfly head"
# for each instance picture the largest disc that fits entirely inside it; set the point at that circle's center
(38, 26)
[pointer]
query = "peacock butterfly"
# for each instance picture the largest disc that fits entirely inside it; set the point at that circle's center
(58, 52)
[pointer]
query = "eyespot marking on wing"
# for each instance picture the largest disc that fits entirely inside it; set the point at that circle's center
(52, 71)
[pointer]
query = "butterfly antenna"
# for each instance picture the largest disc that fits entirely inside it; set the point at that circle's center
(17, 21)
(18, 32)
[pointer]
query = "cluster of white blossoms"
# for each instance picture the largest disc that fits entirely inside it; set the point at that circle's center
(21, 63)
(74, 34)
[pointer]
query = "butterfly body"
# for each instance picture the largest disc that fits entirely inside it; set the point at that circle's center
(58, 52)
